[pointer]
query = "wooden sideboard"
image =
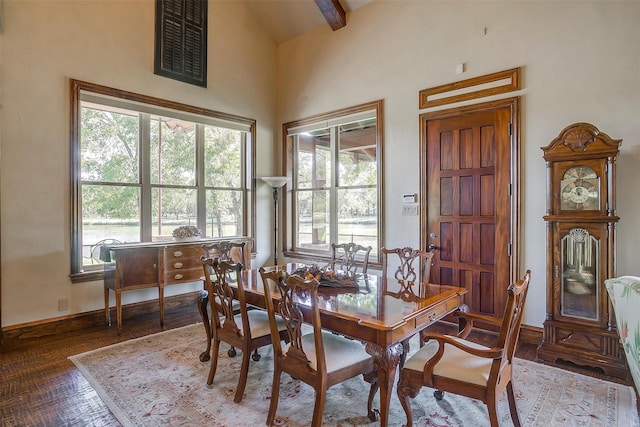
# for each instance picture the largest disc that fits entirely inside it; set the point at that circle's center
(133, 266)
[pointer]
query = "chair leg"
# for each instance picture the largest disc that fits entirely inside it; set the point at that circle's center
(255, 356)
(405, 351)
(242, 381)
(203, 304)
(214, 361)
(405, 391)
(372, 378)
(512, 405)
(492, 407)
(318, 409)
(275, 394)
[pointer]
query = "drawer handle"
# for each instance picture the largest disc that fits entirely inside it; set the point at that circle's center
(177, 253)
(178, 265)
(178, 276)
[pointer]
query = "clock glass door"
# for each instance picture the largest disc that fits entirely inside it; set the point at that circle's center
(579, 287)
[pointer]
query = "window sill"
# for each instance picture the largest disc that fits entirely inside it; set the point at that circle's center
(87, 276)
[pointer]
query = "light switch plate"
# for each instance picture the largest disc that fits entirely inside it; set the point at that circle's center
(410, 209)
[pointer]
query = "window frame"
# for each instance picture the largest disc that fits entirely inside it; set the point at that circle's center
(289, 229)
(81, 273)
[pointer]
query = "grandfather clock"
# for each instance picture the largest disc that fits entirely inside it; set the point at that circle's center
(581, 223)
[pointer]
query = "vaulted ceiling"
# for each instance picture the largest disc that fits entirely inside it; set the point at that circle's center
(286, 19)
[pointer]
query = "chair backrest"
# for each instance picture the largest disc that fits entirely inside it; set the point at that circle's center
(344, 256)
(292, 291)
(512, 319)
(409, 259)
(227, 251)
(219, 275)
(97, 250)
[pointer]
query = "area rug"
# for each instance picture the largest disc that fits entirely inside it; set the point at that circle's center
(158, 381)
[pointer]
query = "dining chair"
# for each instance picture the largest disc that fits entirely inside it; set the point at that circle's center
(320, 359)
(225, 251)
(345, 257)
(407, 257)
(411, 276)
(457, 365)
(247, 330)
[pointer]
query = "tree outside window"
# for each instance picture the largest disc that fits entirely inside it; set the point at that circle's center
(142, 169)
(336, 171)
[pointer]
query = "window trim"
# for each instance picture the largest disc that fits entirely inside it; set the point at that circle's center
(77, 87)
(332, 118)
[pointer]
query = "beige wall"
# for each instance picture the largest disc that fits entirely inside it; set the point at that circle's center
(580, 62)
(44, 44)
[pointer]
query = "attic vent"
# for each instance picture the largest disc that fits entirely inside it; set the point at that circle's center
(181, 40)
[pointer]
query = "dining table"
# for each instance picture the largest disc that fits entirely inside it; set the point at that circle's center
(376, 310)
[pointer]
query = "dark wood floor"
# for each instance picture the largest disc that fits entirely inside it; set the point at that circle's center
(39, 386)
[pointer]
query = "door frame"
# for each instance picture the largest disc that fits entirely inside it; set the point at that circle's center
(513, 105)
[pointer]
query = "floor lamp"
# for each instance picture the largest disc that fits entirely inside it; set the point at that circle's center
(276, 182)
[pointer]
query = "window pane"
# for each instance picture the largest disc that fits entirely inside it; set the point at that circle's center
(222, 157)
(109, 145)
(172, 208)
(224, 213)
(109, 213)
(173, 152)
(358, 159)
(313, 219)
(358, 217)
(314, 160)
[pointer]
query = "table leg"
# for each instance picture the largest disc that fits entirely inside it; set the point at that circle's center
(386, 360)
(203, 308)
(119, 311)
(107, 316)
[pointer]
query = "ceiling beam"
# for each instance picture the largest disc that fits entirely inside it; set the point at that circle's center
(333, 12)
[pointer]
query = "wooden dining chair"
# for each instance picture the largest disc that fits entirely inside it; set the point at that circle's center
(225, 251)
(247, 330)
(346, 256)
(320, 359)
(459, 366)
(411, 279)
(414, 265)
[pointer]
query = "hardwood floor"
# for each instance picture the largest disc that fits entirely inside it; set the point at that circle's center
(39, 386)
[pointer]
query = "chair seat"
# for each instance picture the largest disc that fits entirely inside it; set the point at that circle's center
(340, 352)
(259, 322)
(455, 363)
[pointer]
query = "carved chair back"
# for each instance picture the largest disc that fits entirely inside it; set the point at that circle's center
(346, 256)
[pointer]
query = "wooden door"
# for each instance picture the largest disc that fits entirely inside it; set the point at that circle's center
(470, 201)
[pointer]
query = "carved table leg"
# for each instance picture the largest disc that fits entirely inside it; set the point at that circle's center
(203, 303)
(386, 361)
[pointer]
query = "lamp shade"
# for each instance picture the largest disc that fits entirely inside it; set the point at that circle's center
(275, 181)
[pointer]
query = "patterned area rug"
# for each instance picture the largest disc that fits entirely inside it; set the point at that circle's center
(158, 380)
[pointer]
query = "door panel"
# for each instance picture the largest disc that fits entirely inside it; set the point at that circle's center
(468, 212)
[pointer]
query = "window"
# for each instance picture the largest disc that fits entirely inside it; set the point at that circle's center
(144, 166)
(181, 40)
(336, 169)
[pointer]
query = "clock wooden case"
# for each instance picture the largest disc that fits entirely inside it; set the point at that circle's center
(581, 222)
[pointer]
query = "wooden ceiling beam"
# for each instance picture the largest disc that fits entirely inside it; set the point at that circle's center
(333, 12)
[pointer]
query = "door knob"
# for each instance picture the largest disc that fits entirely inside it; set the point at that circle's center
(432, 247)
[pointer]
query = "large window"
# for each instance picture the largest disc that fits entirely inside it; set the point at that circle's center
(336, 169)
(144, 166)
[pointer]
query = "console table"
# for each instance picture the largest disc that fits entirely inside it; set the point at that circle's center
(130, 266)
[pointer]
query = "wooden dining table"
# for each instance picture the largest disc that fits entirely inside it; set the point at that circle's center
(382, 320)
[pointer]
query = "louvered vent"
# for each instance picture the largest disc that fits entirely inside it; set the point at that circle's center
(181, 40)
